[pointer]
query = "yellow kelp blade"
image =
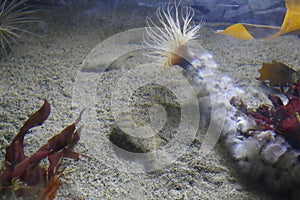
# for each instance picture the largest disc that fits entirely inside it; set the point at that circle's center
(292, 18)
(251, 31)
(238, 31)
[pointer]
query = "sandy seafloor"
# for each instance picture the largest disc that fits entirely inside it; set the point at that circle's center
(45, 67)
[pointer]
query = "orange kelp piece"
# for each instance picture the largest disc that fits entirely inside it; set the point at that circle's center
(251, 31)
(277, 73)
(237, 30)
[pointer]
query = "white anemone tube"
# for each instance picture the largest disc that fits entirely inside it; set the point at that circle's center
(173, 41)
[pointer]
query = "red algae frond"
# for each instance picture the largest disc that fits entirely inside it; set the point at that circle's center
(284, 119)
(18, 167)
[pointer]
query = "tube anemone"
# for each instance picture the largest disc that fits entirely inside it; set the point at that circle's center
(14, 15)
(169, 38)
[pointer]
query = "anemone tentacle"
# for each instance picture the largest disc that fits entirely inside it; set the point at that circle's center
(14, 15)
(173, 31)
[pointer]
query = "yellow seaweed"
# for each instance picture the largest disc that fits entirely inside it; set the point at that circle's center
(251, 31)
(237, 30)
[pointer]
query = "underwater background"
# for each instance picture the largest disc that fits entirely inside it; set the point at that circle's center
(48, 62)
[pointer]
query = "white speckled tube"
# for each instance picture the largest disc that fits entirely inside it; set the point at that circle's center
(264, 156)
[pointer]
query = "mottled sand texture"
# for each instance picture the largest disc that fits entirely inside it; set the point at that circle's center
(45, 67)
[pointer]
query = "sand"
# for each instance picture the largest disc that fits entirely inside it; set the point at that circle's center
(46, 66)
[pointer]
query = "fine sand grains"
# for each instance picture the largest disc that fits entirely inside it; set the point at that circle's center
(46, 66)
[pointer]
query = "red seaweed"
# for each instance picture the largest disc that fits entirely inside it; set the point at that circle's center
(27, 169)
(283, 119)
